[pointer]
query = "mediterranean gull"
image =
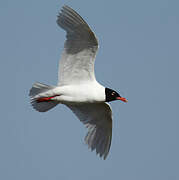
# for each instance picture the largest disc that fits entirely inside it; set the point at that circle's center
(77, 86)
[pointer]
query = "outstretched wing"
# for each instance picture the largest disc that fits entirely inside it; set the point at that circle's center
(77, 61)
(98, 120)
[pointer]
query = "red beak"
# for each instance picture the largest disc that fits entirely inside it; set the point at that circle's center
(122, 99)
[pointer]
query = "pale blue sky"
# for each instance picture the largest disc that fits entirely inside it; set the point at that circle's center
(138, 56)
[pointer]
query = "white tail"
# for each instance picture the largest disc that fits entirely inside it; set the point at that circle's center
(41, 106)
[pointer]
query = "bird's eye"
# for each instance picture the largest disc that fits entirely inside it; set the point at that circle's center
(113, 93)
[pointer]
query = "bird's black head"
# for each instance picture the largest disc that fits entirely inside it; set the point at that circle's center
(112, 95)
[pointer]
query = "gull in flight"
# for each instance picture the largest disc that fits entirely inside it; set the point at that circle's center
(77, 86)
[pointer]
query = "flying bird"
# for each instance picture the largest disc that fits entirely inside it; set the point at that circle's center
(77, 86)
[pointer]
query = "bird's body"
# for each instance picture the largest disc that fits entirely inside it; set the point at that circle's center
(91, 92)
(77, 86)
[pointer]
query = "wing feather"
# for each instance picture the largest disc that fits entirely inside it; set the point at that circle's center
(98, 120)
(77, 61)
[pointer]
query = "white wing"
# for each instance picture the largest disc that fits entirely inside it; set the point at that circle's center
(98, 120)
(77, 61)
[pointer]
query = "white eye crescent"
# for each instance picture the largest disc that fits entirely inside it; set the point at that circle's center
(113, 93)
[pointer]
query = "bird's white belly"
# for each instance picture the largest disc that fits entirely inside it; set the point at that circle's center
(75, 94)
